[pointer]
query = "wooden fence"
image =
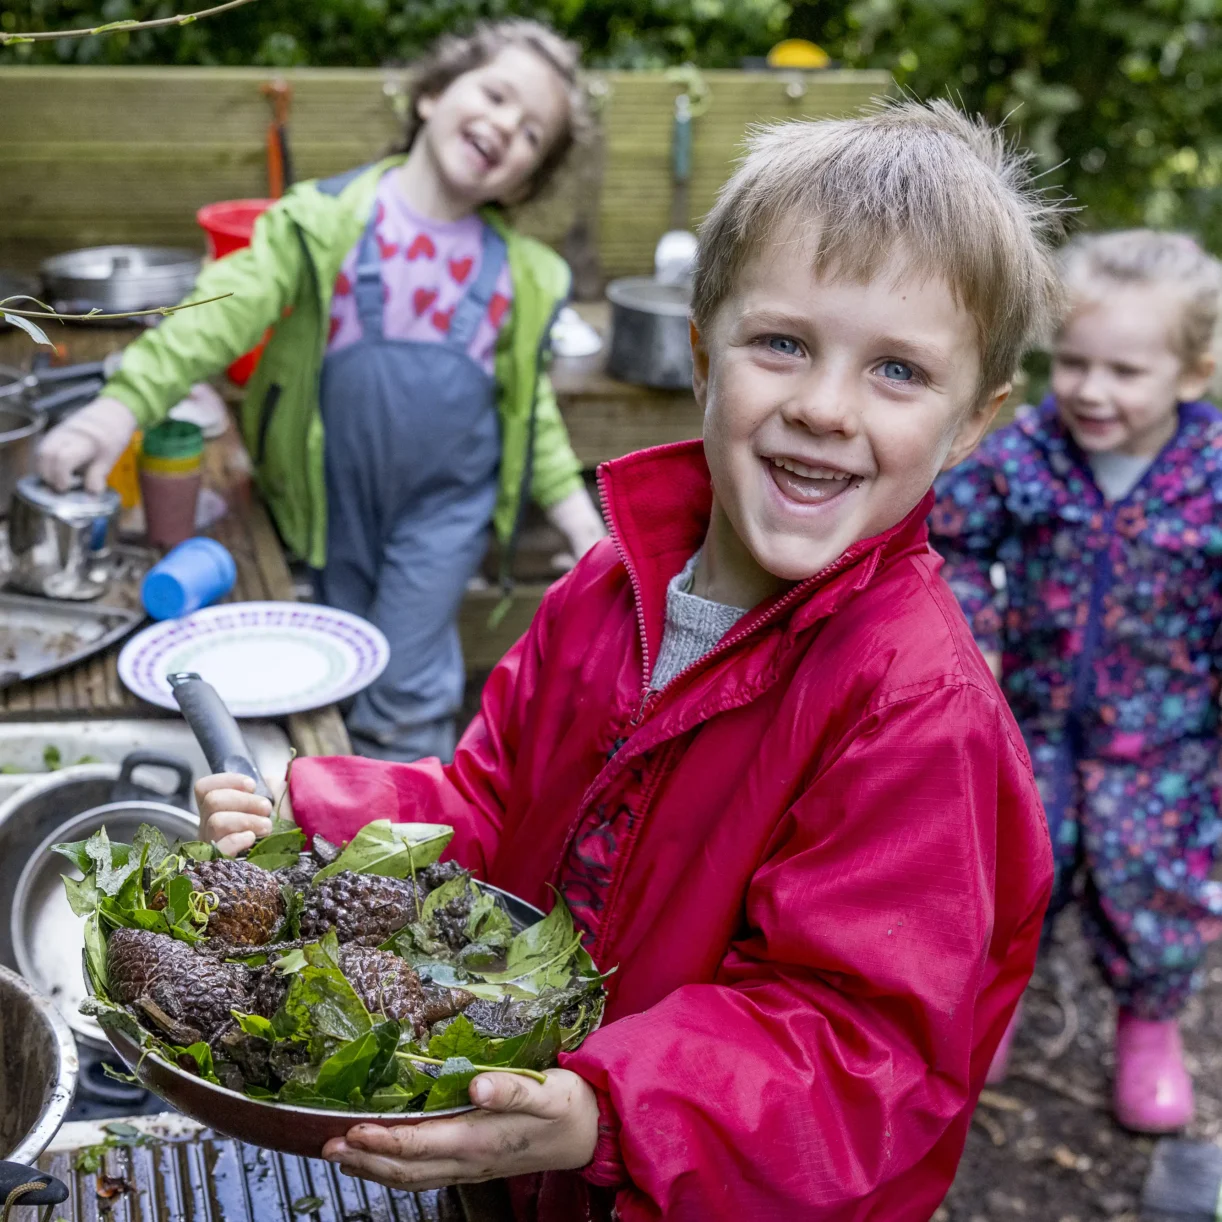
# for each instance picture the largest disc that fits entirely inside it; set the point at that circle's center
(97, 155)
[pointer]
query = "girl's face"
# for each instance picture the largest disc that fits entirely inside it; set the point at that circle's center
(487, 132)
(1115, 376)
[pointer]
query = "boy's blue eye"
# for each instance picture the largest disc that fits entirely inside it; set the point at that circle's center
(897, 371)
(784, 345)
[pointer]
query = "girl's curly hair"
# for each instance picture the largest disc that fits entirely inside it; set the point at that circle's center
(454, 55)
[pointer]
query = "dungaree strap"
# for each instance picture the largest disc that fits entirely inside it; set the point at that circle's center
(368, 289)
(474, 304)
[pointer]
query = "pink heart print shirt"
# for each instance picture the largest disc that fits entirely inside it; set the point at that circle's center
(427, 266)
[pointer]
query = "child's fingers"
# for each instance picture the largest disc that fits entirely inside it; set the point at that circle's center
(228, 822)
(220, 801)
(238, 842)
(223, 780)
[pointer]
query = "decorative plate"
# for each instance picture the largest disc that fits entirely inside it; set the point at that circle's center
(265, 659)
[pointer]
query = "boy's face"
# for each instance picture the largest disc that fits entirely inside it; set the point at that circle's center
(491, 127)
(830, 407)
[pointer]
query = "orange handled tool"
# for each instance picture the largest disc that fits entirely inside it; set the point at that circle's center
(279, 163)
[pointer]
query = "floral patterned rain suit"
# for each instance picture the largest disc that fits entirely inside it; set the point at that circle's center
(1110, 627)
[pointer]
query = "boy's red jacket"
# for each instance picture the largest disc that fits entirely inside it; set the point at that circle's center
(828, 890)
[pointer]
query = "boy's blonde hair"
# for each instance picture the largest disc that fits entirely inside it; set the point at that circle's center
(454, 55)
(1096, 261)
(947, 189)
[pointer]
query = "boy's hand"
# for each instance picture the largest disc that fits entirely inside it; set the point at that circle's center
(522, 1126)
(231, 815)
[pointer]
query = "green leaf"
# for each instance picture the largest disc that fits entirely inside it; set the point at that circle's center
(255, 1024)
(52, 760)
(294, 905)
(412, 1079)
(396, 1098)
(31, 328)
(393, 850)
(320, 1001)
(197, 850)
(95, 954)
(347, 1070)
(439, 897)
(460, 1039)
(115, 863)
(542, 955)
(116, 1128)
(201, 1054)
(75, 852)
(450, 1087)
(307, 1205)
(178, 892)
(278, 850)
(82, 895)
(535, 1049)
(489, 923)
(158, 847)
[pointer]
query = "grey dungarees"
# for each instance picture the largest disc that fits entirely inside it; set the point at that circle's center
(412, 451)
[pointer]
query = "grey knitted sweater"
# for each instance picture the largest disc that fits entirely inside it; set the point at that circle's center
(694, 625)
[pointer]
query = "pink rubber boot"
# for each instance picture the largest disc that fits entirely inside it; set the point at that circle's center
(1153, 1092)
(1000, 1065)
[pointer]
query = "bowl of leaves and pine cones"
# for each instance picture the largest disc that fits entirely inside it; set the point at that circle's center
(282, 997)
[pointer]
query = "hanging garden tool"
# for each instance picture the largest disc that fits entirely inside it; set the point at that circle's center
(676, 250)
(279, 94)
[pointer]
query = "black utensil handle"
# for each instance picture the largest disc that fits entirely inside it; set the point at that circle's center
(215, 729)
(13, 1175)
(125, 789)
(51, 374)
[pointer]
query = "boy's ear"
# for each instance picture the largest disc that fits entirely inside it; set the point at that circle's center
(1194, 382)
(700, 366)
(972, 430)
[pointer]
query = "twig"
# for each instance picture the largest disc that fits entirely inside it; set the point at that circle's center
(1000, 1103)
(526, 1073)
(98, 316)
(997, 1135)
(1040, 1076)
(119, 27)
(1063, 995)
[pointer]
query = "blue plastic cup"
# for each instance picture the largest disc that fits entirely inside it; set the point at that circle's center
(196, 573)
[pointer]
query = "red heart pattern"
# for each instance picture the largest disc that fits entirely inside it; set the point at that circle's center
(422, 299)
(343, 286)
(335, 326)
(460, 269)
(497, 307)
(441, 319)
(422, 244)
(388, 249)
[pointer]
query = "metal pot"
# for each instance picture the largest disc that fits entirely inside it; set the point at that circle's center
(20, 426)
(650, 336)
(48, 937)
(38, 1069)
(117, 279)
(61, 541)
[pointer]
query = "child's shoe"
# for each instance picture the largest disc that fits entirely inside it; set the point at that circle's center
(1000, 1065)
(1153, 1092)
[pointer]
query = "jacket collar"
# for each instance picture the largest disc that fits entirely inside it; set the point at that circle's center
(659, 501)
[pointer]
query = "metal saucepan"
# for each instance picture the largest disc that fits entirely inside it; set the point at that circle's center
(117, 279)
(20, 427)
(48, 937)
(38, 1068)
(650, 336)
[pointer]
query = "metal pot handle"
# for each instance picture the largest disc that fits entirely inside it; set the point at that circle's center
(50, 1191)
(127, 790)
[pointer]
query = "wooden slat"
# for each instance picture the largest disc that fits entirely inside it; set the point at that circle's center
(130, 154)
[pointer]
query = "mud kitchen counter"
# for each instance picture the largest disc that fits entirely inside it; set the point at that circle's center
(92, 689)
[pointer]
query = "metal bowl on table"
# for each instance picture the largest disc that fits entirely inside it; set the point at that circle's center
(117, 279)
(38, 1069)
(277, 1126)
(650, 335)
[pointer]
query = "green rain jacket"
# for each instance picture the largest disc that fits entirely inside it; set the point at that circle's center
(284, 280)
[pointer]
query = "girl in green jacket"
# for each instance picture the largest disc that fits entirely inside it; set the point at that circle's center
(409, 328)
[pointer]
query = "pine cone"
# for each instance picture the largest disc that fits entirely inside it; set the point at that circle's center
(361, 908)
(249, 908)
(167, 979)
(385, 983)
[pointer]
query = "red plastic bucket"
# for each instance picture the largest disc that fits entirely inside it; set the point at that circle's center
(228, 226)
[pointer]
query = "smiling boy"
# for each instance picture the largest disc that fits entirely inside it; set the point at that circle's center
(750, 739)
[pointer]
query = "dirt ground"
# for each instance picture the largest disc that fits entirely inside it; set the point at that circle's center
(1044, 1145)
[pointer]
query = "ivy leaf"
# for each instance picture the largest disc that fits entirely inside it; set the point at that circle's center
(82, 895)
(320, 1001)
(158, 847)
(75, 852)
(393, 850)
(114, 863)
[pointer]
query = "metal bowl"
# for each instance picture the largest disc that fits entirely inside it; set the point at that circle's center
(20, 426)
(650, 336)
(48, 937)
(38, 1069)
(120, 278)
(277, 1126)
